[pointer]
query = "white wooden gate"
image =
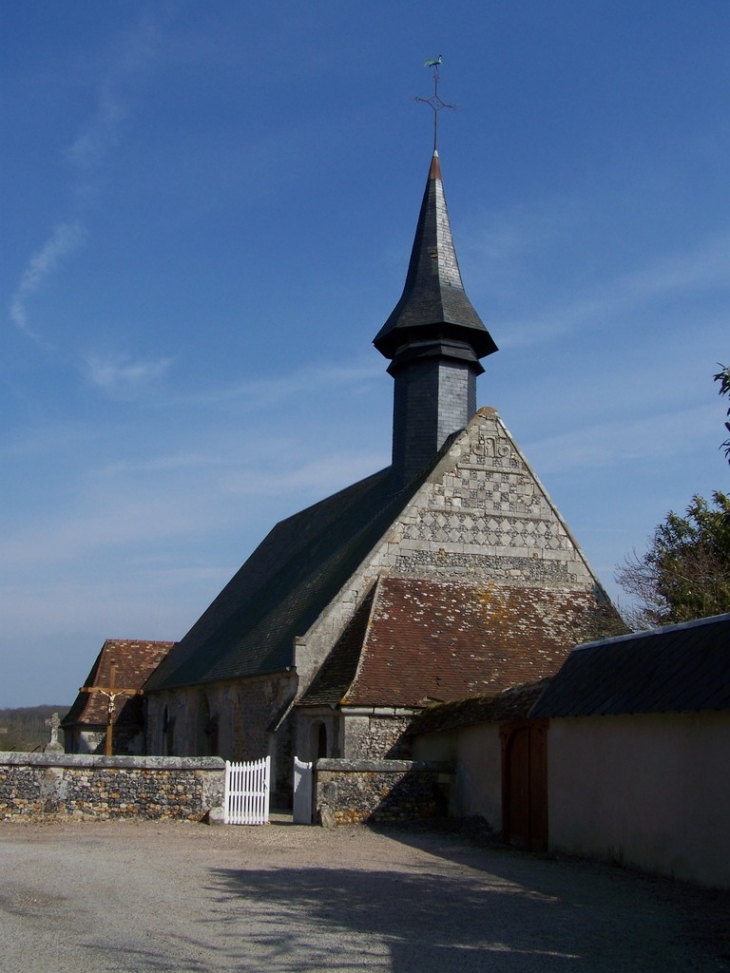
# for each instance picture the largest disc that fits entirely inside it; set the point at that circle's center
(247, 792)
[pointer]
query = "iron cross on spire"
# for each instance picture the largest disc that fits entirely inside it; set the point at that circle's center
(435, 102)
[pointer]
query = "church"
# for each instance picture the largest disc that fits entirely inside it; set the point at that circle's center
(448, 574)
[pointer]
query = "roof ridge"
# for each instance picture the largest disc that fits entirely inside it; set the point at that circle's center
(649, 633)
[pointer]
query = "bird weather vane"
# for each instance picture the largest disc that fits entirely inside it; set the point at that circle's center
(435, 102)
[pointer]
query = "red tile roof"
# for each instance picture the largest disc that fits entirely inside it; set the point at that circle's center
(134, 662)
(429, 642)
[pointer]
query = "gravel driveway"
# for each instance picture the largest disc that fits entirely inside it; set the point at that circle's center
(143, 896)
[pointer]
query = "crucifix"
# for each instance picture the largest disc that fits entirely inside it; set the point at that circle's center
(435, 102)
(111, 692)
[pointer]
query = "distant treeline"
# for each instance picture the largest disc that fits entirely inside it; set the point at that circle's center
(25, 728)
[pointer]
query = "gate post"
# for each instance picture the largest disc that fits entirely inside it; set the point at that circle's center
(227, 795)
(302, 805)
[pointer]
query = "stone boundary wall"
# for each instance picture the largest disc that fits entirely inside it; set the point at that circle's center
(354, 791)
(77, 786)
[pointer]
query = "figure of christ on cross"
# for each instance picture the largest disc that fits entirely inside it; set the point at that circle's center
(111, 692)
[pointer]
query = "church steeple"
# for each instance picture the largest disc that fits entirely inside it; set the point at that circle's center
(435, 339)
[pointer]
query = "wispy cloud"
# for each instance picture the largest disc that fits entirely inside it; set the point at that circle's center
(269, 391)
(119, 520)
(703, 268)
(65, 238)
(120, 375)
(313, 479)
(99, 134)
(174, 462)
(136, 49)
(649, 438)
(146, 507)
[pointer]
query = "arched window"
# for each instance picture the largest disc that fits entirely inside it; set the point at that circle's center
(168, 733)
(318, 741)
(211, 732)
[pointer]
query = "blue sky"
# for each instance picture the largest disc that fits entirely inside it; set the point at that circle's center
(207, 213)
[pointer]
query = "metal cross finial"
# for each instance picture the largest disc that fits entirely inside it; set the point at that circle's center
(435, 102)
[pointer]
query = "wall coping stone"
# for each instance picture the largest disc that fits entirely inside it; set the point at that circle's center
(99, 761)
(382, 766)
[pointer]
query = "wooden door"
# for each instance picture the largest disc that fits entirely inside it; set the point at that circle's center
(524, 784)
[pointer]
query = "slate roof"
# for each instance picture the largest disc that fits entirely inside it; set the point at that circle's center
(285, 584)
(134, 661)
(434, 303)
(672, 669)
(424, 641)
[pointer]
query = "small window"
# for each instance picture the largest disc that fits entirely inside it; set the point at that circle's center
(318, 741)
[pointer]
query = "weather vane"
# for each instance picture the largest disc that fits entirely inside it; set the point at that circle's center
(435, 102)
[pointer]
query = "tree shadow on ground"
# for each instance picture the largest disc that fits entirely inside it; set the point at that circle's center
(457, 906)
(348, 919)
(452, 918)
(690, 914)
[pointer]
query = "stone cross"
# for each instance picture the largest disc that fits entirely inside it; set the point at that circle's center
(53, 746)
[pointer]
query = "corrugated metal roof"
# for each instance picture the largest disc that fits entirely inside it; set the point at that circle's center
(672, 669)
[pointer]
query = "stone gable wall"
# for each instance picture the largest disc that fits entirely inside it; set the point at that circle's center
(486, 518)
(82, 786)
(482, 517)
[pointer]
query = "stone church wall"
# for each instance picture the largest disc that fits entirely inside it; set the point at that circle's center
(234, 720)
(318, 732)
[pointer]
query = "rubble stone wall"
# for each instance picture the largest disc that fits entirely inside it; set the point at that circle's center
(376, 738)
(88, 786)
(354, 791)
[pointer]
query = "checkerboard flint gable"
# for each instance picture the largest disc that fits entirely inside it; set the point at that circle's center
(447, 574)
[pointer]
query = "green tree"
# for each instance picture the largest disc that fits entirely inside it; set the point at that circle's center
(685, 573)
(723, 377)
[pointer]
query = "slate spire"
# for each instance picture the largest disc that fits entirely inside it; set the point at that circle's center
(435, 339)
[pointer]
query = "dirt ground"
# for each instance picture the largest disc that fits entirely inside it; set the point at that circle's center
(143, 896)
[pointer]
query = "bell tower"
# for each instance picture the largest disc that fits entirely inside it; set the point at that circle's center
(434, 339)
